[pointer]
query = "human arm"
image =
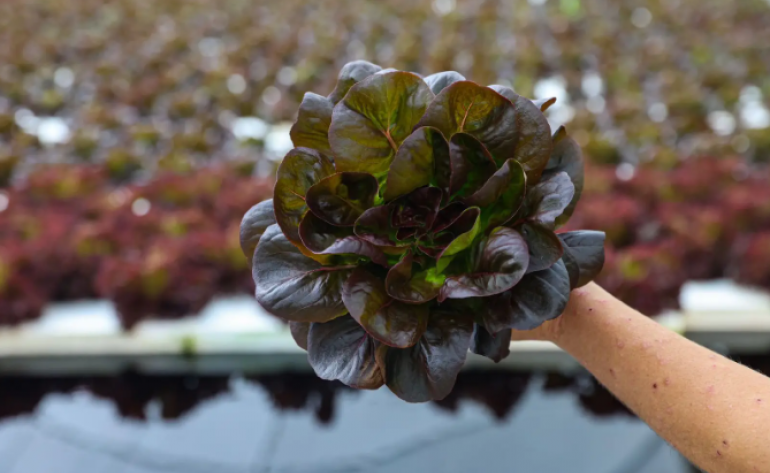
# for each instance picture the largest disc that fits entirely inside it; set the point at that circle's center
(714, 411)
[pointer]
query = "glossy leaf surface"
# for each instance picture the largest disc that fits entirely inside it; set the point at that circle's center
(293, 286)
(583, 255)
(547, 200)
(422, 159)
(566, 157)
(544, 247)
(505, 91)
(428, 370)
(537, 298)
(390, 321)
(508, 127)
(299, 332)
(342, 350)
(417, 209)
(496, 346)
(374, 118)
(501, 196)
(323, 238)
(471, 165)
(463, 231)
(254, 224)
(533, 137)
(350, 74)
(311, 129)
(407, 281)
(466, 107)
(342, 197)
(441, 80)
(300, 169)
(496, 265)
(448, 216)
(374, 226)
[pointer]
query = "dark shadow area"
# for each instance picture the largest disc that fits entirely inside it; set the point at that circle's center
(498, 390)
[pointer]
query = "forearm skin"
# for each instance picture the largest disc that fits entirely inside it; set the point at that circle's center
(713, 410)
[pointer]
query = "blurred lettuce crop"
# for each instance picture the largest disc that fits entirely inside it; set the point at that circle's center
(159, 249)
(153, 84)
(135, 134)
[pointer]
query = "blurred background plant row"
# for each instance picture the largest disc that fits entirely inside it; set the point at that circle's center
(135, 134)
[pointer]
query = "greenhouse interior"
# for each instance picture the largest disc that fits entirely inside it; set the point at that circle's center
(135, 135)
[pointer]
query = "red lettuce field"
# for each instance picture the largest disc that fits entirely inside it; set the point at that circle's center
(133, 133)
(165, 248)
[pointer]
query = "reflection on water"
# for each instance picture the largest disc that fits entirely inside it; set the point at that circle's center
(131, 393)
(593, 397)
(499, 391)
(296, 423)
